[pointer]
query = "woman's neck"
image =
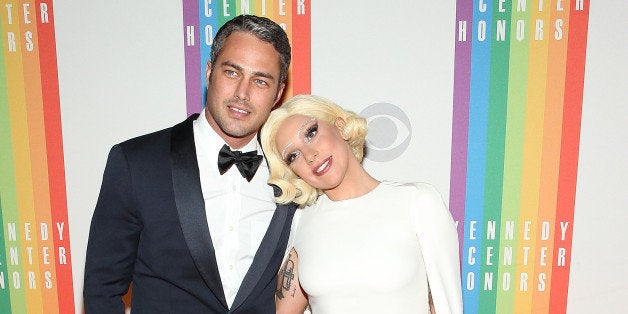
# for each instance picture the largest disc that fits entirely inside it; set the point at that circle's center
(357, 182)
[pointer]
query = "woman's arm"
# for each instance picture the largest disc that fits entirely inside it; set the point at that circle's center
(438, 239)
(289, 296)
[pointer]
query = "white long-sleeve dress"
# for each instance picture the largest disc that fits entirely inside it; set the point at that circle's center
(376, 253)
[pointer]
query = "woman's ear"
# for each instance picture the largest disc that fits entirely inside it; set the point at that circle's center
(340, 124)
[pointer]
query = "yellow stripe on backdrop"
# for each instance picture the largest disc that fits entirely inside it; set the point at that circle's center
(532, 152)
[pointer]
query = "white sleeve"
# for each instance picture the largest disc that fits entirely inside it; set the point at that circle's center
(293, 231)
(438, 239)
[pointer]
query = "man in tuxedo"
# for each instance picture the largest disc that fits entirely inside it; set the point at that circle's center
(185, 219)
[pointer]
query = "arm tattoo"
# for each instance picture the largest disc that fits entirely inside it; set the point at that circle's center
(287, 275)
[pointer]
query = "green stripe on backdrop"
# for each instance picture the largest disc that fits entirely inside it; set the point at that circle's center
(5, 293)
(7, 187)
(230, 12)
(513, 158)
(498, 94)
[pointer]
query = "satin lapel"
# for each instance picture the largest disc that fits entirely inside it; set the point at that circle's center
(264, 253)
(191, 206)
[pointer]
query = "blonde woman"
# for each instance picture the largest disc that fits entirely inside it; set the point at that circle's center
(361, 245)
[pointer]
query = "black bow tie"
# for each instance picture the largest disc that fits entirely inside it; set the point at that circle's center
(247, 163)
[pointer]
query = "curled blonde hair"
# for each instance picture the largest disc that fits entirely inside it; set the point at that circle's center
(293, 188)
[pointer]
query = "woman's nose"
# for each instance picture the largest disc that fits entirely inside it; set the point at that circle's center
(310, 156)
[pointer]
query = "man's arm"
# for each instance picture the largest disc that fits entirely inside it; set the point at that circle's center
(113, 239)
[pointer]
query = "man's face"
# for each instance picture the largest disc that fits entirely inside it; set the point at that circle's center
(242, 88)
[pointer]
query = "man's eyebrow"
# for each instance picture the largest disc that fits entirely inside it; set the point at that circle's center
(241, 69)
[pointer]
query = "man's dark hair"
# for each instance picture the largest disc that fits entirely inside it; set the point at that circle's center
(264, 29)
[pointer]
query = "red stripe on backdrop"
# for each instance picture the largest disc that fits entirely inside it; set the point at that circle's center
(572, 114)
(54, 144)
(301, 43)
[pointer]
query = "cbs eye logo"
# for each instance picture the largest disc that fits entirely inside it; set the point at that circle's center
(389, 131)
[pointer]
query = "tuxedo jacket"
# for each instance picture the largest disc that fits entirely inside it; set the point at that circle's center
(150, 228)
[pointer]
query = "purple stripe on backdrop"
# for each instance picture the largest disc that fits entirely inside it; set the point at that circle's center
(192, 57)
(460, 123)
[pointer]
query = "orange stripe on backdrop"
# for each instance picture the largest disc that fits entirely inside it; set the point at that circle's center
(301, 56)
(572, 114)
(31, 242)
(54, 148)
(532, 150)
(552, 131)
(282, 11)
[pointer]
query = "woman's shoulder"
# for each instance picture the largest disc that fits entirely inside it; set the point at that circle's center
(422, 200)
(422, 190)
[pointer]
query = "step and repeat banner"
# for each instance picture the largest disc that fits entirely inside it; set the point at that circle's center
(515, 135)
(35, 263)
(519, 75)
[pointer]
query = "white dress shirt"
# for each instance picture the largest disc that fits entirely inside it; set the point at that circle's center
(238, 211)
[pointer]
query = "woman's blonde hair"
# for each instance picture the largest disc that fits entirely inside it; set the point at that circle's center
(293, 188)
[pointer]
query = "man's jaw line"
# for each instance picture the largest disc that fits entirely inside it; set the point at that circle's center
(234, 141)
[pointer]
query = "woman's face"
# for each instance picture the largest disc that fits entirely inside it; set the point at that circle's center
(315, 150)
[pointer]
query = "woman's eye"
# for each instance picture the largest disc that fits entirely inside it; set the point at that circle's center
(291, 157)
(311, 132)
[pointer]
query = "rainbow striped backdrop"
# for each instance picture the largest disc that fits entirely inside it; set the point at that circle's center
(519, 75)
(35, 264)
(202, 19)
